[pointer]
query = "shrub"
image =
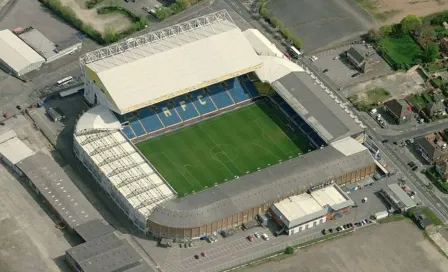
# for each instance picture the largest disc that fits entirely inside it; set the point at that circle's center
(289, 250)
(92, 3)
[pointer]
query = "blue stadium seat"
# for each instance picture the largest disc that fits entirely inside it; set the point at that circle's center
(136, 126)
(220, 96)
(299, 120)
(120, 118)
(306, 128)
(202, 102)
(167, 114)
(250, 88)
(128, 132)
(277, 98)
(319, 142)
(185, 108)
(149, 120)
(288, 110)
(236, 91)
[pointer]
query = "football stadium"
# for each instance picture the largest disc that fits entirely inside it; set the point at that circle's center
(201, 126)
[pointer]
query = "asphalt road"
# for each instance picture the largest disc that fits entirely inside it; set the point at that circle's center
(430, 128)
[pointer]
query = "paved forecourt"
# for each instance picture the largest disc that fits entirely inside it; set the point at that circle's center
(224, 147)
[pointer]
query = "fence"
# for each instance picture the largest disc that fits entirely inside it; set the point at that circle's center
(264, 254)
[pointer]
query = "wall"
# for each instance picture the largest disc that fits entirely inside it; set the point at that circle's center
(307, 225)
(238, 219)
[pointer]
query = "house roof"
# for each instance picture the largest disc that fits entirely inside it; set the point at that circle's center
(428, 143)
(443, 165)
(356, 54)
(399, 108)
(435, 106)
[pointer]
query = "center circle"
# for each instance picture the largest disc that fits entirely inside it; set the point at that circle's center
(224, 152)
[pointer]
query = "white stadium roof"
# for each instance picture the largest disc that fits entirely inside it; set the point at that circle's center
(15, 53)
(126, 169)
(172, 61)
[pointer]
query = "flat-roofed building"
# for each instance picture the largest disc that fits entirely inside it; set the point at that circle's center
(16, 56)
(301, 212)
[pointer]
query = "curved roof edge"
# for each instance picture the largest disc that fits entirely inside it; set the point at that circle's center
(262, 187)
(97, 118)
(275, 68)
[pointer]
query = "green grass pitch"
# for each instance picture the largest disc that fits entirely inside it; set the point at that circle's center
(218, 149)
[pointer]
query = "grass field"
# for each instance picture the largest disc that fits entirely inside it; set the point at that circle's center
(220, 148)
(401, 49)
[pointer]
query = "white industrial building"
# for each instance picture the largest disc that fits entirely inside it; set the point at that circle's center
(301, 212)
(118, 167)
(16, 56)
(12, 149)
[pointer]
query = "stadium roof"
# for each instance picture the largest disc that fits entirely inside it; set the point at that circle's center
(318, 106)
(167, 63)
(126, 168)
(12, 148)
(58, 189)
(15, 53)
(262, 45)
(265, 186)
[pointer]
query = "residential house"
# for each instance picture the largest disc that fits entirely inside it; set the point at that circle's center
(438, 96)
(435, 108)
(442, 168)
(432, 147)
(399, 110)
(363, 57)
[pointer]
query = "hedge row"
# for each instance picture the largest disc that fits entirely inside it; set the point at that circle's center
(92, 3)
(69, 15)
(180, 5)
(286, 32)
(138, 23)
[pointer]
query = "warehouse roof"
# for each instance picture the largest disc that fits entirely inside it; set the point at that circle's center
(108, 253)
(332, 196)
(260, 187)
(58, 189)
(172, 61)
(298, 209)
(15, 53)
(401, 195)
(39, 42)
(93, 229)
(12, 148)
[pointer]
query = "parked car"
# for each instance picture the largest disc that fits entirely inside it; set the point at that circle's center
(265, 236)
(196, 256)
(203, 254)
(250, 238)
(364, 200)
(325, 70)
(330, 230)
(257, 235)
(324, 231)
(414, 168)
(385, 141)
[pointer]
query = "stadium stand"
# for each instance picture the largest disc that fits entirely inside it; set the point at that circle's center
(185, 108)
(168, 116)
(149, 120)
(189, 106)
(219, 96)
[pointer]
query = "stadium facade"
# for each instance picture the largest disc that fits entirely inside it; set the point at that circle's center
(173, 77)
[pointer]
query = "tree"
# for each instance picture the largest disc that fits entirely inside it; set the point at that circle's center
(163, 12)
(427, 33)
(431, 52)
(385, 30)
(296, 42)
(289, 250)
(411, 23)
(373, 35)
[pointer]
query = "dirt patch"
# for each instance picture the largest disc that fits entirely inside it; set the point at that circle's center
(394, 247)
(99, 22)
(399, 85)
(392, 11)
